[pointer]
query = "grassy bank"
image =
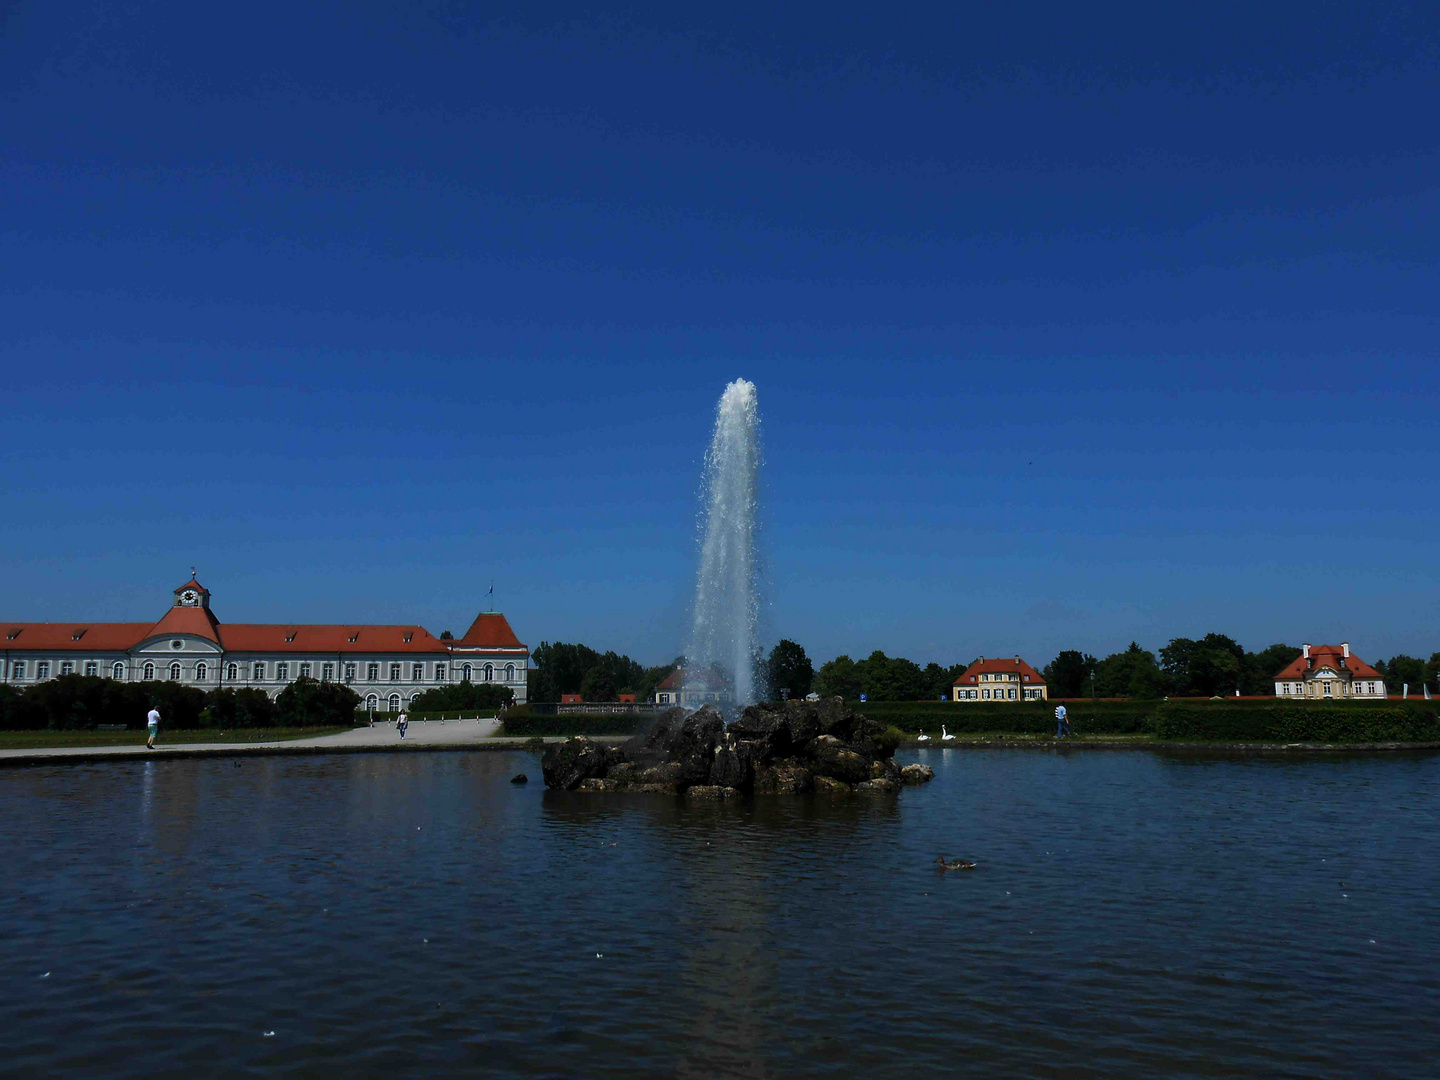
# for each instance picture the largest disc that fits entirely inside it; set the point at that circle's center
(522, 723)
(1180, 720)
(46, 740)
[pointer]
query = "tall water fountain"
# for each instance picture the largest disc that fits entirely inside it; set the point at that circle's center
(725, 594)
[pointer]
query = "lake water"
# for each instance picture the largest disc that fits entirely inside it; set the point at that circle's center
(1133, 914)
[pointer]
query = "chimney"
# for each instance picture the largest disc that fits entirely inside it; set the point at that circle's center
(1306, 647)
(1345, 649)
(982, 659)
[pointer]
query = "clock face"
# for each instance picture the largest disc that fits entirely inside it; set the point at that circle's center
(189, 596)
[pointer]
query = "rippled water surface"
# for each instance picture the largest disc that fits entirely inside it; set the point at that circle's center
(1132, 914)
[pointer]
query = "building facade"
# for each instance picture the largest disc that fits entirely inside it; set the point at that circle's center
(693, 689)
(1329, 672)
(388, 666)
(1010, 679)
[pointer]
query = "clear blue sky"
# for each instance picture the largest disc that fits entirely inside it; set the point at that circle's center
(1071, 323)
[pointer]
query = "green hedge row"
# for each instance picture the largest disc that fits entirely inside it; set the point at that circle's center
(521, 723)
(1029, 717)
(1393, 722)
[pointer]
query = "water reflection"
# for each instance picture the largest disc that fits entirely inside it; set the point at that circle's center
(420, 913)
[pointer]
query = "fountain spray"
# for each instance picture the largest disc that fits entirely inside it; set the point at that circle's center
(725, 593)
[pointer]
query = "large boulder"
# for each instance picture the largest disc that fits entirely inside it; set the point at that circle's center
(830, 757)
(917, 774)
(709, 792)
(833, 717)
(652, 746)
(827, 785)
(763, 727)
(784, 777)
(734, 763)
(566, 764)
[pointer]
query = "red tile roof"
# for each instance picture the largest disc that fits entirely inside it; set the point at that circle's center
(1331, 655)
(680, 678)
(490, 630)
(193, 584)
(188, 620)
(278, 637)
(1007, 665)
(92, 637)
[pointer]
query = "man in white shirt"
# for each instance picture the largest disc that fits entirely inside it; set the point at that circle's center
(153, 723)
(1062, 722)
(402, 724)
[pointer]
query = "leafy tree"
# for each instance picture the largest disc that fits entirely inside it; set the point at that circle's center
(247, 707)
(1068, 675)
(940, 681)
(562, 669)
(598, 685)
(446, 635)
(1401, 669)
(306, 703)
(838, 678)
(461, 696)
(1262, 667)
(1132, 673)
(1203, 668)
(788, 668)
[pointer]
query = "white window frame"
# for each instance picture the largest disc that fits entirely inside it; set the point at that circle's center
(305, 669)
(395, 670)
(117, 671)
(17, 670)
(202, 671)
(232, 672)
(259, 669)
(327, 672)
(282, 671)
(417, 672)
(176, 671)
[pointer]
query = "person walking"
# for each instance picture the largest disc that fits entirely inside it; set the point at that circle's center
(152, 724)
(1062, 722)
(402, 724)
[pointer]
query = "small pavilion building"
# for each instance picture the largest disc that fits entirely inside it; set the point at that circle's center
(1000, 679)
(1329, 672)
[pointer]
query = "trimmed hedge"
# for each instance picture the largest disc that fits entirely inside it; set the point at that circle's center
(522, 723)
(1266, 722)
(1028, 717)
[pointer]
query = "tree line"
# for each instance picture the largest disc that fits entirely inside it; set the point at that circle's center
(74, 702)
(1211, 666)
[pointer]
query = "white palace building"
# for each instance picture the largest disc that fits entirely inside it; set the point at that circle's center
(388, 666)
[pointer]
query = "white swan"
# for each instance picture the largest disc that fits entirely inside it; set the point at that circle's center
(922, 737)
(945, 736)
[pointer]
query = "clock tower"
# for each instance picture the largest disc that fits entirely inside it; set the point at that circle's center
(192, 594)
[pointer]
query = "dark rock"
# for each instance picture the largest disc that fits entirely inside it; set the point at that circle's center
(833, 717)
(764, 728)
(828, 785)
(711, 792)
(669, 772)
(566, 764)
(785, 777)
(733, 764)
(802, 721)
(917, 774)
(652, 745)
(880, 786)
(519, 778)
(830, 757)
(597, 783)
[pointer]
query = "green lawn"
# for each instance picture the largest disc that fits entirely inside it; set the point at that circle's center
(39, 740)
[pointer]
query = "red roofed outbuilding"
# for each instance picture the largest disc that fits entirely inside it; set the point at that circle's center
(1329, 672)
(1000, 679)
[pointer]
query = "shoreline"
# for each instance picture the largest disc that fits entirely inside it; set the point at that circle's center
(92, 755)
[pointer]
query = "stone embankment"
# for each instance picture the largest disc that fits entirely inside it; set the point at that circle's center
(783, 748)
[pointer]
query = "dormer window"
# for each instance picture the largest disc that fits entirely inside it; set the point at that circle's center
(409, 636)
(290, 636)
(354, 636)
(78, 634)
(13, 634)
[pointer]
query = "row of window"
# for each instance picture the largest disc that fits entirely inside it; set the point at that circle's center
(1032, 693)
(1001, 677)
(1355, 688)
(258, 670)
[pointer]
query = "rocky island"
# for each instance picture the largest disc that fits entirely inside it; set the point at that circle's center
(774, 748)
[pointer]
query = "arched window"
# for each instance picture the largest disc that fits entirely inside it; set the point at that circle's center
(202, 671)
(174, 672)
(489, 673)
(117, 671)
(509, 672)
(468, 672)
(232, 672)
(394, 702)
(149, 670)
(372, 702)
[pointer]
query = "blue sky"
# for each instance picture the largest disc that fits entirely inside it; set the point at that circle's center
(1071, 324)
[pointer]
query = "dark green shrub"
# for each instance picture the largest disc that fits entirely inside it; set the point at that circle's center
(244, 708)
(522, 722)
(461, 697)
(307, 703)
(1351, 722)
(1027, 717)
